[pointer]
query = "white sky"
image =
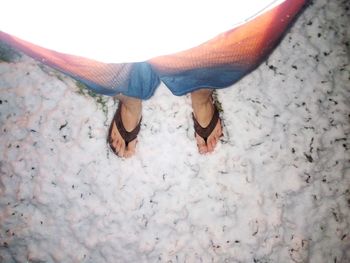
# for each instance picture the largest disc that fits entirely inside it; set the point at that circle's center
(121, 31)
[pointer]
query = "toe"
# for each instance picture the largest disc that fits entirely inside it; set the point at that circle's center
(214, 138)
(202, 146)
(118, 145)
(217, 136)
(117, 142)
(219, 130)
(119, 148)
(121, 152)
(131, 149)
(211, 144)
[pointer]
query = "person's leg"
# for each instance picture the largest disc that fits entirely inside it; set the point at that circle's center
(130, 114)
(203, 109)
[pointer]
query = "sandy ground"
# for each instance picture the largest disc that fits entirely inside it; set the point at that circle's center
(277, 189)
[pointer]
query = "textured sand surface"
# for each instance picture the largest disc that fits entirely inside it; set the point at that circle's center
(277, 189)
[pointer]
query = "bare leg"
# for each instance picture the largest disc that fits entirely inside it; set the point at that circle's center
(131, 115)
(203, 110)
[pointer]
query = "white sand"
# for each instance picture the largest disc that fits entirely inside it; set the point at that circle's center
(277, 189)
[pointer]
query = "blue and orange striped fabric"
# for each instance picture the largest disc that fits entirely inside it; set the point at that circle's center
(218, 63)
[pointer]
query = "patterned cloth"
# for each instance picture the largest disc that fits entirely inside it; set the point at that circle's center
(217, 63)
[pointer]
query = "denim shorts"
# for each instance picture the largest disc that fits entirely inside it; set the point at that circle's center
(217, 63)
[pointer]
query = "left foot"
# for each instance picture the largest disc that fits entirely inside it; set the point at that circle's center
(123, 140)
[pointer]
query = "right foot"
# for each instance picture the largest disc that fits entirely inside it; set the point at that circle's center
(204, 113)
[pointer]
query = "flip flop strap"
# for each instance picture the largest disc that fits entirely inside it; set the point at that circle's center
(205, 132)
(127, 136)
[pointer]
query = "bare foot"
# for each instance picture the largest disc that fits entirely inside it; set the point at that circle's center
(203, 113)
(130, 120)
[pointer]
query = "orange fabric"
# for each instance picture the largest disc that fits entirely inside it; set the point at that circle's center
(242, 46)
(100, 73)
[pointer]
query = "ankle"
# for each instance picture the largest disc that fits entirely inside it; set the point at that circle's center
(203, 105)
(203, 113)
(132, 109)
(200, 104)
(201, 98)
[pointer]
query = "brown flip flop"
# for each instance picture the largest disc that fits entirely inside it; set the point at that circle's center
(127, 136)
(205, 132)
